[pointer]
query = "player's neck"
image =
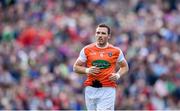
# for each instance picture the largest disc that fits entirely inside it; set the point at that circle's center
(99, 46)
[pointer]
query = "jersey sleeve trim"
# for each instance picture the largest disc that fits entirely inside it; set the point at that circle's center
(82, 56)
(121, 56)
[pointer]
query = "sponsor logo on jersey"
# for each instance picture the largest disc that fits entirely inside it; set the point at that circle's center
(102, 64)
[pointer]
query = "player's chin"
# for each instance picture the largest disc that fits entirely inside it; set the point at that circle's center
(101, 43)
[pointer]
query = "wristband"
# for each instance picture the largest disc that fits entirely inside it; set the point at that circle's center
(117, 75)
(87, 70)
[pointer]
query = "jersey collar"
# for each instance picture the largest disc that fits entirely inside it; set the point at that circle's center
(102, 47)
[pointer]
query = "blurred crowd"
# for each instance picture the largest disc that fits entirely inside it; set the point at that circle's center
(41, 39)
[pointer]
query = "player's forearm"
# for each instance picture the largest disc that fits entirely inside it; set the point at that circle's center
(123, 70)
(80, 69)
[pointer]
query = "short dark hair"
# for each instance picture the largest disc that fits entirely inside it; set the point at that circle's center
(106, 26)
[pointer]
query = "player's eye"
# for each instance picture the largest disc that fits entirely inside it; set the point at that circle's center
(103, 33)
(98, 32)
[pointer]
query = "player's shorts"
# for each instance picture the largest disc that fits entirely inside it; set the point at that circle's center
(100, 98)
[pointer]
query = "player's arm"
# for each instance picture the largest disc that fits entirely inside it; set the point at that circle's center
(123, 67)
(79, 67)
(122, 70)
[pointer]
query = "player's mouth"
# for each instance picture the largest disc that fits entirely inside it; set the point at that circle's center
(100, 40)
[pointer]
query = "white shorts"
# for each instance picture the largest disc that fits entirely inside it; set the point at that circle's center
(100, 98)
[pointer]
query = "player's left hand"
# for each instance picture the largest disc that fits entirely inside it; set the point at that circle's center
(114, 77)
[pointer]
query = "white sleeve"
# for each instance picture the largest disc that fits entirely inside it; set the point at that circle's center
(121, 56)
(82, 56)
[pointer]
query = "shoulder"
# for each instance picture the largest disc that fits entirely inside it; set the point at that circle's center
(87, 49)
(115, 49)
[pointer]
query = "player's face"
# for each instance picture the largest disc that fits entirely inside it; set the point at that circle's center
(102, 36)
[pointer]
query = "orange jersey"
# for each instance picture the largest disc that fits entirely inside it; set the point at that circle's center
(104, 58)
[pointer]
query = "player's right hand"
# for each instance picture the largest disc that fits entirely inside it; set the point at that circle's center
(93, 70)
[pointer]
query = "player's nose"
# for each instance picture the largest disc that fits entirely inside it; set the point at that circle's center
(100, 37)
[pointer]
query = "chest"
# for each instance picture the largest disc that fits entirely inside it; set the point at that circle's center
(106, 55)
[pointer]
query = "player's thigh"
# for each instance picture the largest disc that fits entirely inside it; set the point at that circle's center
(107, 101)
(90, 98)
(90, 105)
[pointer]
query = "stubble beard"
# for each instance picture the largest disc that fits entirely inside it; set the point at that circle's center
(102, 44)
